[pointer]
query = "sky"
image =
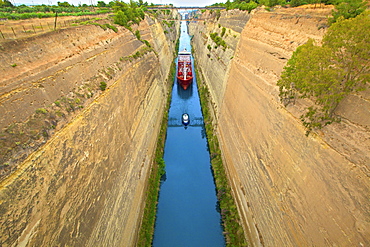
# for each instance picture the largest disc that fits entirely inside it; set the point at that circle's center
(177, 3)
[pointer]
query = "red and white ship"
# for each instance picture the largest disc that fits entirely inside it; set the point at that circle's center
(184, 70)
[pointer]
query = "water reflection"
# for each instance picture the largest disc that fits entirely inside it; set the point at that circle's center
(187, 212)
(185, 94)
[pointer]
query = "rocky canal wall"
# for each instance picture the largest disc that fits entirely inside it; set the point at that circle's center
(291, 190)
(86, 185)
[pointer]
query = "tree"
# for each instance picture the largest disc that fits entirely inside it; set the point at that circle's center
(347, 9)
(101, 4)
(5, 3)
(64, 4)
(121, 19)
(295, 3)
(127, 14)
(328, 73)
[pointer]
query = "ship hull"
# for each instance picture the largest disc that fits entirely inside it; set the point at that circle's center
(184, 83)
(184, 69)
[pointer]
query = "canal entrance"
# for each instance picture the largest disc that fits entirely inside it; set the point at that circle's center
(187, 209)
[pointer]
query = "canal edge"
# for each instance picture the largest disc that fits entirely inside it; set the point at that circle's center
(146, 230)
(231, 220)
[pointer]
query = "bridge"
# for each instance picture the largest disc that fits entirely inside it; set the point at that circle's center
(191, 19)
(176, 122)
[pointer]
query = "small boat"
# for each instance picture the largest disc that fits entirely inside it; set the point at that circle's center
(184, 70)
(185, 119)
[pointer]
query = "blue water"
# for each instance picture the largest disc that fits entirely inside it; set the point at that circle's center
(187, 209)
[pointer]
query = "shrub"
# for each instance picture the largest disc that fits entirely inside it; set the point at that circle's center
(103, 85)
(327, 73)
(347, 9)
(223, 31)
(218, 40)
(115, 29)
(147, 43)
(137, 34)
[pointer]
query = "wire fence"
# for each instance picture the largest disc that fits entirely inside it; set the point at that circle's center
(10, 30)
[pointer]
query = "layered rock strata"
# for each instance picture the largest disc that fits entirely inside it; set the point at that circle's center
(86, 185)
(291, 190)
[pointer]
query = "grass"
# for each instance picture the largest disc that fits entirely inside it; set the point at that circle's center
(103, 26)
(233, 230)
(22, 16)
(139, 53)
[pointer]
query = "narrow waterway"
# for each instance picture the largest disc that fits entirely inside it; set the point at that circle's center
(187, 210)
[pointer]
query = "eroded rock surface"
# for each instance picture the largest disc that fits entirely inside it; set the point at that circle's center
(86, 185)
(291, 190)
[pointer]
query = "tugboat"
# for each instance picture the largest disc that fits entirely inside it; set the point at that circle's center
(185, 119)
(184, 70)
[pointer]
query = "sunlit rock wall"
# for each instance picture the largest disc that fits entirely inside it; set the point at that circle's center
(86, 185)
(291, 190)
(214, 61)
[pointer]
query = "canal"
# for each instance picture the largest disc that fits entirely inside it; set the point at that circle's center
(187, 212)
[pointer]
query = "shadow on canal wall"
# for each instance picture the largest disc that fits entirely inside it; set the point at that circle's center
(86, 185)
(291, 190)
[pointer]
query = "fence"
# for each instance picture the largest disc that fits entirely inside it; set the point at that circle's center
(10, 30)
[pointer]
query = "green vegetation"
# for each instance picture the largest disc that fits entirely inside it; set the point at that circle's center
(103, 26)
(5, 3)
(147, 43)
(218, 40)
(24, 137)
(115, 29)
(157, 171)
(137, 34)
(218, 14)
(138, 54)
(44, 11)
(233, 230)
(326, 74)
(239, 4)
(347, 9)
(128, 14)
(169, 24)
(223, 32)
(41, 111)
(103, 85)
(249, 5)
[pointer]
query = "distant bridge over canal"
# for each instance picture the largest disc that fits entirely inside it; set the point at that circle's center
(176, 122)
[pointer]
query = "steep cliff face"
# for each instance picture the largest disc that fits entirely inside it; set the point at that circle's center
(291, 190)
(86, 185)
(213, 58)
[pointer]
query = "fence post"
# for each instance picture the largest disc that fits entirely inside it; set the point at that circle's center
(24, 29)
(2, 34)
(41, 27)
(33, 29)
(13, 32)
(55, 22)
